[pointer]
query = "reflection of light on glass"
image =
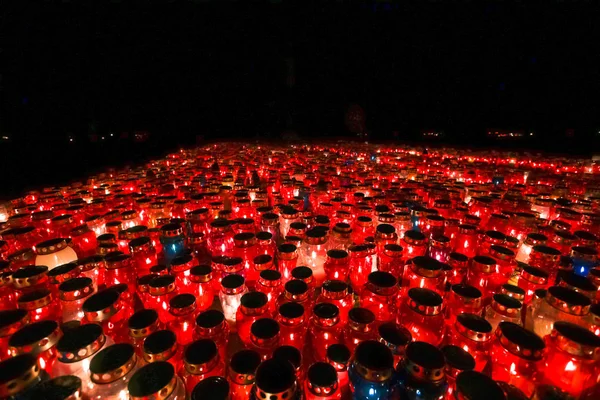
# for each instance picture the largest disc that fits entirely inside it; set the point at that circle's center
(513, 369)
(570, 366)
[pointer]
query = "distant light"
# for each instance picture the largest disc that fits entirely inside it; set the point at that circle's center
(5, 138)
(70, 140)
(111, 135)
(530, 133)
(102, 137)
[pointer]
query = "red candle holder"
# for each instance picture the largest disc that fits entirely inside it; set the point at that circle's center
(546, 258)
(253, 306)
(30, 278)
(21, 258)
(338, 355)
(484, 275)
(422, 315)
(184, 310)
(143, 254)
(325, 328)
(120, 269)
(360, 266)
(264, 337)
(414, 244)
(488, 239)
(84, 240)
(571, 362)
(269, 283)
(292, 324)
(109, 309)
(287, 258)
(360, 327)
(391, 259)
(211, 324)
(380, 295)
(531, 279)
(338, 293)
(181, 267)
(40, 304)
(503, 308)
(517, 357)
(39, 339)
(336, 265)
(62, 273)
(459, 264)
(162, 345)
(294, 357)
(322, 383)
(474, 335)
(10, 322)
(161, 290)
(363, 228)
(201, 360)
(423, 272)
(202, 286)
(141, 324)
(466, 240)
(457, 361)
(242, 372)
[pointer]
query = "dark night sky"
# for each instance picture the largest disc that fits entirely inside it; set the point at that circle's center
(220, 68)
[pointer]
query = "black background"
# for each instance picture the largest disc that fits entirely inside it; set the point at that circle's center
(247, 69)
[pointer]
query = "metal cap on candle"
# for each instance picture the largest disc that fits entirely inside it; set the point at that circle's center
(18, 373)
(568, 301)
(473, 327)
(520, 341)
(90, 263)
(373, 361)
(200, 356)
(159, 346)
(182, 304)
(233, 284)
(576, 340)
(287, 251)
(140, 244)
(506, 305)
(264, 332)
(80, 343)
(426, 266)
(424, 361)
(484, 264)
(155, 381)
(112, 363)
(212, 388)
(30, 275)
(382, 283)
(35, 338)
(210, 322)
(473, 385)
(394, 336)
(457, 360)
(102, 305)
(161, 285)
(120, 260)
(35, 299)
(513, 291)
(424, 301)
(137, 231)
(63, 273)
(414, 238)
(253, 303)
(201, 273)
(50, 246)
(578, 283)
(322, 379)
(335, 289)
(182, 263)
(243, 365)
(534, 275)
(275, 380)
(142, 323)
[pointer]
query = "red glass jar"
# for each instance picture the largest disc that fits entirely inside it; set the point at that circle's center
(475, 385)
(360, 327)
(336, 265)
(219, 240)
(184, 311)
(30, 278)
(572, 359)
(262, 262)
(305, 275)
(395, 337)
(391, 259)
(484, 275)
(242, 372)
(466, 240)
(162, 345)
(380, 295)
(161, 290)
(119, 268)
(459, 264)
(292, 324)
(141, 324)
(363, 228)
(246, 248)
(520, 225)
(264, 337)
(423, 272)
(287, 258)
(269, 283)
(211, 324)
(360, 266)
(503, 308)
(110, 310)
(546, 258)
(340, 294)
(253, 306)
(414, 244)
(338, 355)
(421, 313)
(181, 268)
(531, 279)
(322, 382)
(462, 298)
(142, 287)
(294, 357)
(21, 258)
(266, 244)
(202, 286)
(439, 248)
(41, 305)
(201, 360)
(562, 241)
(516, 357)
(93, 267)
(83, 241)
(457, 361)
(474, 335)
(143, 254)
(324, 329)
(10, 322)
(488, 239)
(531, 240)
(38, 338)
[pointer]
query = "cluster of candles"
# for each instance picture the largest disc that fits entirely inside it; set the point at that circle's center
(239, 271)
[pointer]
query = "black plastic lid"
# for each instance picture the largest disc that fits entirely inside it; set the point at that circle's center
(200, 352)
(426, 262)
(254, 300)
(182, 300)
(374, 355)
(29, 271)
(162, 281)
(414, 235)
(245, 362)
(275, 376)
(79, 338)
(521, 336)
(210, 319)
(302, 272)
(458, 358)
(339, 353)
(142, 319)
(335, 285)
(232, 281)
(326, 310)
(111, 358)
(577, 281)
(32, 333)
(159, 341)
(291, 310)
(382, 279)
(290, 354)
(212, 388)
(270, 275)
(569, 295)
(474, 323)
(14, 367)
(361, 315)
(506, 301)
(394, 334)
(101, 300)
(59, 388)
(201, 270)
(577, 334)
(322, 374)
(425, 297)
(464, 290)
(265, 328)
(337, 254)
(473, 385)
(62, 269)
(425, 355)
(386, 229)
(296, 287)
(9, 317)
(150, 379)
